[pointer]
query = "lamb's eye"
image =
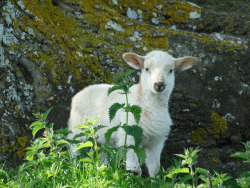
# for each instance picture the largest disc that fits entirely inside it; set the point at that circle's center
(147, 69)
(171, 71)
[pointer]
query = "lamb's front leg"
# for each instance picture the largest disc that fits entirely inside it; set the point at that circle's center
(132, 162)
(153, 156)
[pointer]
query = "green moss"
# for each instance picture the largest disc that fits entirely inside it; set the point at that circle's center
(18, 147)
(229, 20)
(65, 38)
(217, 127)
(218, 90)
(65, 52)
(192, 104)
(21, 145)
(197, 136)
(180, 11)
(213, 43)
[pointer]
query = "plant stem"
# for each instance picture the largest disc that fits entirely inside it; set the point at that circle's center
(126, 135)
(210, 181)
(192, 175)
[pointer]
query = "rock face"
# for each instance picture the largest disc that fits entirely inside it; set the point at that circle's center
(50, 49)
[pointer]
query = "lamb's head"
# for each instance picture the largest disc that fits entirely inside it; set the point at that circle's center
(157, 69)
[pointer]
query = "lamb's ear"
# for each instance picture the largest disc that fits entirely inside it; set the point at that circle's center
(184, 63)
(134, 60)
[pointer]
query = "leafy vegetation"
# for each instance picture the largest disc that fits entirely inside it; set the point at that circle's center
(50, 163)
(122, 83)
(244, 180)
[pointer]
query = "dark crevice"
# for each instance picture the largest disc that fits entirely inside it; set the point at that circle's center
(25, 73)
(54, 2)
(167, 17)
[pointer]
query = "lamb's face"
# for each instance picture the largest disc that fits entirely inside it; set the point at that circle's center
(157, 73)
(157, 69)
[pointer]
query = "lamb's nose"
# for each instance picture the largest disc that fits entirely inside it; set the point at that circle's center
(159, 86)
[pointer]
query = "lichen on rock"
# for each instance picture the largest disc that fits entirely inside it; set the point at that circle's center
(216, 130)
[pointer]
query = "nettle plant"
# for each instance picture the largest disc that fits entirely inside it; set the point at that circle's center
(186, 173)
(244, 179)
(51, 164)
(117, 155)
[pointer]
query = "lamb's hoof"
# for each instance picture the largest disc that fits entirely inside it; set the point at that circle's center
(134, 171)
(137, 172)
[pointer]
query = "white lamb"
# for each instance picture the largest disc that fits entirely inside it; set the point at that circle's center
(151, 94)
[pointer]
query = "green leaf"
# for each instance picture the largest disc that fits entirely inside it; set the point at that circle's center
(247, 146)
(46, 145)
(122, 81)
(241, 155)
(202, 171)
(113, 109)
(119, 155)
(79, 135)
(37, 128)
(134, 131)
(3, 177)
(187, 161)
(86, 160)
(73, 141)
(28, 164)
(30, 155)
(81, 127)
(45, 114)
(36, 123)
(49, 126)
(129, 72)
(130, 85)
(110, 151)
(52, 174)
(193, 153)
(186, 178)
(114, 88)
(109, 133)
(204, 178)
(122, 77)
(61, 142)
(63, 132)
(98, 127)
(141, 154)
(114, 155)
(136, 111)
(174, 171)
(181, 156)
(119, 77)
(245, 174)
(126, 87)
(87, 144)
(91, 122)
